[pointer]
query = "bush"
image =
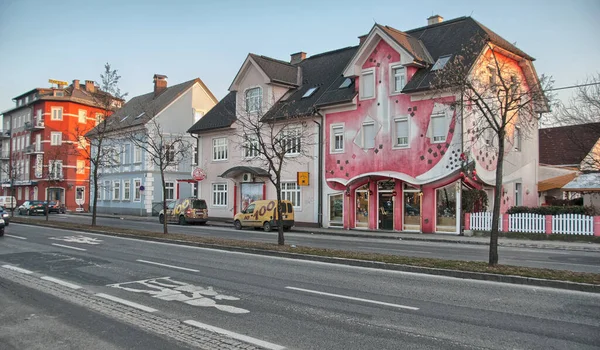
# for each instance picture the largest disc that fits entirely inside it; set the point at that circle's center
(553, 210)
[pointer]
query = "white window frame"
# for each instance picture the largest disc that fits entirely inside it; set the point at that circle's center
(137, 154)
(99, 117)
(106, 191)
(364, 134)
(170, 154)
(220, 152)
(116, 190)
(219, 194)
(518, 194)
(195, 155)
(253, 103)
(337, 138)
(77, 192)
(56, 138)
(137, 194)
(292, 192)
(250, 149)
(80, 168)
(293, 140)
(370, 71)
(394, 88)
(56, 113)
(82, 116)
(126, 190)
(397, 144)
(517, 139)
(438, 138)
(55, 169)
(170, 190)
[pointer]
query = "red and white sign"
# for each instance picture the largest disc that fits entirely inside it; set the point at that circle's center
(198, 174)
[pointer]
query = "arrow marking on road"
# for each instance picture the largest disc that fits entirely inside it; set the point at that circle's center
(78, 239)
(353, 298)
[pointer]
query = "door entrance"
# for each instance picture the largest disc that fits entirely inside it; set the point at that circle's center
(412, 208)
(362, 207)
(386, 204)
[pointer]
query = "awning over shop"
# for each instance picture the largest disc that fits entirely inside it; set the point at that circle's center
(238, 170)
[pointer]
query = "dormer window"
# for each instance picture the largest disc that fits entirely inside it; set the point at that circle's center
(367, 84)
(441, 62)
(253, 99)
(398, 78)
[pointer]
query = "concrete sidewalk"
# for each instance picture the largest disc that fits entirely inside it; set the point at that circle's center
(361, 233)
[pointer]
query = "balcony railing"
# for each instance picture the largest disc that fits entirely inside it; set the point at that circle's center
(4, 134)
(33, 149)
(5, 155)
(35, 125)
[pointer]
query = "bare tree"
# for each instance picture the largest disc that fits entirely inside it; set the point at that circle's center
(52, 172)
(497, 105)
(91, 144)
(14, 172)
(274, 140)
(164, 150)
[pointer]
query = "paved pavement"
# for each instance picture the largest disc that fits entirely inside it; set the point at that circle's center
(446, 238)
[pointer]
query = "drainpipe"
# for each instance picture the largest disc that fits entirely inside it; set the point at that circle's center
(320, 175)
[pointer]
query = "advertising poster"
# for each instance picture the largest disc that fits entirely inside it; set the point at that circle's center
(251, 192)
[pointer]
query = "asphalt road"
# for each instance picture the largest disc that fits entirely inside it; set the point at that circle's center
(531, 257)
(284, 303)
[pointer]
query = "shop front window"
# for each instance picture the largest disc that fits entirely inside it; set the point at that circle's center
(386, 200)
(362, 207)
(412, 208)
(336, 210)
(446, 209)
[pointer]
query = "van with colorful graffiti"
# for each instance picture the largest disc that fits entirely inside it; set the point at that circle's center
(263, 213)
(185, 211)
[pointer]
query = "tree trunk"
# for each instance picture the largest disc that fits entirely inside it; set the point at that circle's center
(493, 258)
(164, 200)
(95, 200)
(280, 237)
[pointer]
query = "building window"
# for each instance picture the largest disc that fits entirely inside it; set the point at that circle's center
(518, 194)
(195, 156)
(336, 210)
(250, 146)
(79, 194)
(99, 118)
(398, 78)
(220, 148)
(137, 197)
(367, 84)
(55, 171)
(82, 116)
(292, 140)
(106, 192)
(253, 99)
(56, 138)
(80, 166)
(57, 113)
(438, 123)
(368, 135)
(170, 154)
(169, 190)
(116, 156)
(401, 130)
(197, 115)
(337, 138)
(194, 190)
(126, 190)
(219, 195)
(127, 153)
(517, 139)
(116, 190)
(137, 154)
(491, 73)
(291, 191)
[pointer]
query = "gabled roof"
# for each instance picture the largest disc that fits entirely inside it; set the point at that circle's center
(556, 182)
(449, 38)
(411, 44)
(276, 70)
(222, 115)
(140, 109)
(567, 145)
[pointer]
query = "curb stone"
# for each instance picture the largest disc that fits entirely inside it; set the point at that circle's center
(481, 276)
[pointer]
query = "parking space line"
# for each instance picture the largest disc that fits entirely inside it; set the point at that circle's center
(126, 302)
(165, 265)
(13, 236)
(68, 246)
(241, 337)
(61, 282)
(354, 298)
(18, 269)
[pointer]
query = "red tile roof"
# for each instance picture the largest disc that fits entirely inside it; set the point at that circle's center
(567, 145)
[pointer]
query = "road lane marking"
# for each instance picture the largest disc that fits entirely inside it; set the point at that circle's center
(13, 236)
(61, 282)
(354, 298)
(78, 239)
(18, 269)
(241, 337)
(126, 302)
(165, 265)
(391, 250)
(68, 246)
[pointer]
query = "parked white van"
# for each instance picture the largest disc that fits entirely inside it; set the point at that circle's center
(8, 202)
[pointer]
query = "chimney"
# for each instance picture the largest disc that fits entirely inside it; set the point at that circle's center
(76, 84)
(362, 38)
(297, 57)
(434, 19)
(89, 86)
(160, 84)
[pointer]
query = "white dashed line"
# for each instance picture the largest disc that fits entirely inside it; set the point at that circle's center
(234, 335)
(13, 236)
(353, 298)
(18, 269)
(126, 302)
(61, 282)
(68, 246)
(165, 265)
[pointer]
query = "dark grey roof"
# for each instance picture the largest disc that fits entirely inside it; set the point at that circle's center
(449, 38)
(411, 44)
(220, 116)
(238, 170)
(278, 71)
(131, 113)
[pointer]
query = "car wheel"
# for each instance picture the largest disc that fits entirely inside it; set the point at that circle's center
(267, 227)
(161, 219)
(6, 223)
(182, 220)
(2, 232)
(237, 224)
(29, 213)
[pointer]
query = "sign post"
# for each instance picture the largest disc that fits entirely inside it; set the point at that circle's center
(142, 188)
(302, 178)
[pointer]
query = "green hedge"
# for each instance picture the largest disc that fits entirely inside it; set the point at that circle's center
(553, 210)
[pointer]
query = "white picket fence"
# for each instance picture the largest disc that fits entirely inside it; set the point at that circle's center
(527, 222)
(566, 224)
(573, 224)
(483, 221)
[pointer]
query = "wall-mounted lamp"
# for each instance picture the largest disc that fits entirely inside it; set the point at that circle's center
(394, 193)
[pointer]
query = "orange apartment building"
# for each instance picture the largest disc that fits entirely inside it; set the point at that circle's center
(41, 157)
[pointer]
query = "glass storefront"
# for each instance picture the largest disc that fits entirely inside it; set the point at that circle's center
(412, 208)
(386, 204)
(362, 206)
(446, 208)
(336, 210)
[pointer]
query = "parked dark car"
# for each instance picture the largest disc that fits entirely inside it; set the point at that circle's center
(56, 207)
(2, 223)
(5, 215)
(32, 207)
